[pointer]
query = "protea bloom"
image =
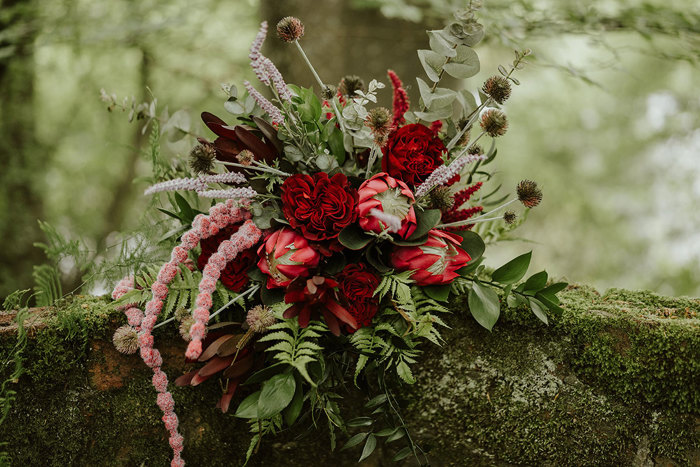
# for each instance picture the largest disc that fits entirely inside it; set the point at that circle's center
(390, 196)
(286, 255)
(318, 296)
(435, 261)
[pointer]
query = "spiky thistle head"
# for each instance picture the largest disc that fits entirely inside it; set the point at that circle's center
(202, 158)
(441, 198)
(290, 29)
(509, 217)
(498, 88)
(379, 120)
(350, 84)
(529, 194)
(329, 91)
(185, 326)
(494, 122)
(475, 149)
(260, 318)
(126, 340)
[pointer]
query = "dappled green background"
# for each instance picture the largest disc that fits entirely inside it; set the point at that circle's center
(606, 118)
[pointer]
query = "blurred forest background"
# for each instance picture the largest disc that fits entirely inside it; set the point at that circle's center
(606, 118)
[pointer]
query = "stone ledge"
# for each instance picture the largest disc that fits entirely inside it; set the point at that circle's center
(610, 382)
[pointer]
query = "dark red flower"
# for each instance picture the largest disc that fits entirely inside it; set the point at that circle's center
(319, 206)
(412, 153)
(357, 282)
(234, 276)
(317, 296)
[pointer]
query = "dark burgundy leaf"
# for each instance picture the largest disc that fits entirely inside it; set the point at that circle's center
(240, 367)
(269, 132)
(255, 145)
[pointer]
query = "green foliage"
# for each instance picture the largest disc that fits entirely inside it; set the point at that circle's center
(182, 290)
(296, 346)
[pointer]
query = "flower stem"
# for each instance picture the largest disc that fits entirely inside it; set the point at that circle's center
(476, 220)
(259, 167)
(323, 86)
(311, 67)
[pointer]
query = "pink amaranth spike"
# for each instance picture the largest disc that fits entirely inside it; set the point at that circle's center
(246, 237)
(220, 216)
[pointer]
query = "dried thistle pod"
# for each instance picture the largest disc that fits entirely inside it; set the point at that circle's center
(202, 157)
(494, 122)
(290, 29)
(529, 194)
(126, 340)
(497, 88)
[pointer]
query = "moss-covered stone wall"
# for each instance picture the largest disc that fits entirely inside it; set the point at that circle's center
(612, 381)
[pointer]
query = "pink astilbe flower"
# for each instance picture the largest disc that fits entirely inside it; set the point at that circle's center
(196, 184)
(246, 237)
(275, 76)
(274, 113)
(177, 184)
(232, 193)
(258, 42)
(220, 216)
(445, 173)
(228, 177)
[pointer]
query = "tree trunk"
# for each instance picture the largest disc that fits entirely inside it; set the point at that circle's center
(21, 156)
(340, 40)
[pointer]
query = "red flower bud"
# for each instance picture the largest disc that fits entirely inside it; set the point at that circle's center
(390, 196)
(435, 261)
(286, 255)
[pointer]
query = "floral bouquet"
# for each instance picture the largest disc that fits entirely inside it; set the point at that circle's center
(338, 232)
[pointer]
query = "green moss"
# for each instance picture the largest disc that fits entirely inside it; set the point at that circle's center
(607, 383)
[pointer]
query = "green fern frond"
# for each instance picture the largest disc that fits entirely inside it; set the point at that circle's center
(294, 345)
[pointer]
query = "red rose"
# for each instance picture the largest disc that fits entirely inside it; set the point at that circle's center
(412, 153)
(234, 276)
(319, 206)
(357, 282)
(433, 262)
(363, 311)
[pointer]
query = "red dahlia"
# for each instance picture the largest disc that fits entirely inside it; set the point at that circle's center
(235, 274)
(319, 206)
(412, 153)
(358, 284)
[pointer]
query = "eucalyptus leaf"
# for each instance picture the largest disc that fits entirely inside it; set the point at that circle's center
(439, 44)
(234, 107)
(291, 413)
(484, 305)
(432, 63)
(464, 65)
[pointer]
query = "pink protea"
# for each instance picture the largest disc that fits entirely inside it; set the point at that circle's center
(390, 196)
(434, 262)
(286, 255)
